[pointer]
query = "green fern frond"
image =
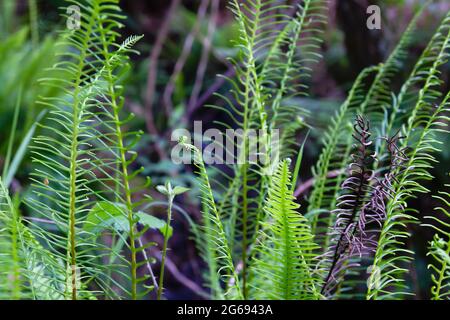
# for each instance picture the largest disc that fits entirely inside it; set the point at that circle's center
(27, 269)
(440, 249)
(212, 238)
(11, 282)
(428, 117)
(284, 266)
(83, 158)
(278, 43)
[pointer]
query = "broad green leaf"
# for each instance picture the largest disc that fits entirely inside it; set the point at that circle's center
(107, 214)
(153, 222)
(179, 190)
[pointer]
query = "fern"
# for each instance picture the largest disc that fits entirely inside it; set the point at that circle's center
(10, 260)
(269, 71)
(218, 252)
(83, 230)
(334, 156)
(371, 100)
(284, 267)
(425, 120)
(360, 210)
(29, 271)
(440, 250)
(351, 203)
(89, 146)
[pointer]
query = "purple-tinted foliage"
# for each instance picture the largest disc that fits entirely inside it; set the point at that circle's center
(361, 210)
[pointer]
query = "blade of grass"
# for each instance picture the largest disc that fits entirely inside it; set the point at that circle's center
(9, 174)
(298, 163)
(12, 134)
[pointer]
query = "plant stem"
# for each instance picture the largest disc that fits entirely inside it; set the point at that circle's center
(164, 251)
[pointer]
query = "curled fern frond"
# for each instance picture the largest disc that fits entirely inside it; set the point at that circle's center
(357, 187)
(334, 157)
(362, 208)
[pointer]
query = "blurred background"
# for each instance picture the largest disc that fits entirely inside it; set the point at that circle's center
(167, 86)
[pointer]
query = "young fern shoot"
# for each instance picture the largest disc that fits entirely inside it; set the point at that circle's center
(171, 193)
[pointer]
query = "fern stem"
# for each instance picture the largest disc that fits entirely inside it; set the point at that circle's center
(286, 232)
(123, 162)
(250, 74)
(362, 173)
(74, 152)
(244, 236)
(126, 186)
(16, 292)
(130, 217)
(215, 230)
(337, 255)
(72, 217)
